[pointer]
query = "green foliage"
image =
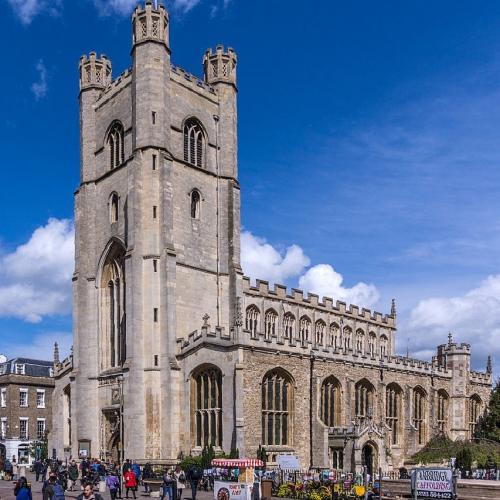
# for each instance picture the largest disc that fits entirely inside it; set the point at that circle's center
(488, 426)
(39, 449)
(261, 454)
(205, 459)
(464, 459)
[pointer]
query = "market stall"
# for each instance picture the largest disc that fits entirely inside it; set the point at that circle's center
(239, 482)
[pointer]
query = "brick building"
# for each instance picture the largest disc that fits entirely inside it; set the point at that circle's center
(26, 387)
(174, 348)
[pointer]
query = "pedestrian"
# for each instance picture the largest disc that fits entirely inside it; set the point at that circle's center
(167, 485)
(88, 493)
(126, 466)
(195, 473)
(37, 467)
(7, 468)
(130, 482)
(113, 483)
(147, 473)
(137, 471)
(14, 468)
(180, 479)
(72, 475)
(22, 490)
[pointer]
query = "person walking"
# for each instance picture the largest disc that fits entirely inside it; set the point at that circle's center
(72, 475)
(130, 482)
(195, 473)
(22, 490)
(113, 483)
(167, 485)
(180, 479)
(37, 467)
(88, 493)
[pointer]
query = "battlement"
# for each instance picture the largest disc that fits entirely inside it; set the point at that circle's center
(150, 24)
(481, 377)
(326, 304)
(220, 66)
(94, 72)
(64, 366)
(190, 80)
(454, 348)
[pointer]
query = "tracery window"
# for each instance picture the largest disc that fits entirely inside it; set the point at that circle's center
(252, 319)
(347, 334)
(270, 320)
(193, 142)
(372, 344)
(320, 332)
(474, 411)
(288, 326)
(277, 407)
(419, 413)
(115, 144)
(364, 399)
(442, 410)
(330, 402)
(383, 345)
(360, 341)
(207, 407)
(393, 407)
(195, 204)
(305, 329)
(333, 335)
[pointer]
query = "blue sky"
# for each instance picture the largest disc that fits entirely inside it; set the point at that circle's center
(369, 138)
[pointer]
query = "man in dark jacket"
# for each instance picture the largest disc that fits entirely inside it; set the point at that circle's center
(88, 493)
(72, 474)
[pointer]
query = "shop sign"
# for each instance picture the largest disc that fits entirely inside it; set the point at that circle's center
(432, 483)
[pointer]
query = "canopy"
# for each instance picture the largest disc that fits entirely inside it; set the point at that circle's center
(237, 462)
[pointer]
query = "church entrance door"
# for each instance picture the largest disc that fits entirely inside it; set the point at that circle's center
(368, 458)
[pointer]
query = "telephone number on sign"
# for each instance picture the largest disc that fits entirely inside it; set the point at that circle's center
(433, 494)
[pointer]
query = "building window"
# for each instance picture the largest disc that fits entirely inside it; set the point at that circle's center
(277, 401)
(337, 458)
(333, 337)
(270, 319)
(207, 407)
(156, 359)
(474, 413)
(193, 142)
(115, 145)
(320, 328)
(419, 411)
(364, 399)
(305, 329)
(330, 402)
(383, 346)
(3, 428)
(288, 326)
(393, 399)
(372, 344)
(40, 398)
(153, 163)
(40, 429)
(360, 341)
(23, 398)
(155, 314)
(155, 265)
(20, 369)
(154, 211)
(252, 319)
(153, 117)
(347, 335)
(195, 204)
(3, 397)
(113, 208)
(442, 410)
(23, 428)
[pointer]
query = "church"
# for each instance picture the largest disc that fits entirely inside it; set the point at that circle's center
(174, 348)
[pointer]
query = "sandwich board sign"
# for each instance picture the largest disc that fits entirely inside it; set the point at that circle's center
(432, 482)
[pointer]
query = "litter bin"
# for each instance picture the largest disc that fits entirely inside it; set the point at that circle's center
(266, 486)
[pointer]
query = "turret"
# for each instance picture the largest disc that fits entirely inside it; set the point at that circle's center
(489, 366)
(150, 24)
(220, 66)
(56, 354)
(94, 72)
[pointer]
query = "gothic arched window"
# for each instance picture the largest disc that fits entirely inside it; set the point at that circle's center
(252, 319)
(270, 320)
(442, 410)
(360, 341)
(288, 326)
(419, 413)
(195, 204)
(364, 399)
(330, 402)
(474, 412)
(277, 408)
(384, 342)
(113, 208)
(347, 335)
(372, 344)
(333, 335)
(115, 143)
(207, 407)
(393, 411)
(193, 142)
(320, 332)
(305, 329)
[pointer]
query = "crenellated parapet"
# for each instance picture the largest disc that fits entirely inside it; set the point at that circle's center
(481, 378)
(64, 366)
(94, 72)
(220, 66)
(192, 81)
(150, 24)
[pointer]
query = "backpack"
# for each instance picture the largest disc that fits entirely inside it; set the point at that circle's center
(196, 473)
(58, 492)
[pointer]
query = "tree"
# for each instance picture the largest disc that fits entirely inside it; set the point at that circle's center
(488, 426)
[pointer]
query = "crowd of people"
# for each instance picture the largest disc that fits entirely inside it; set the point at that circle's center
(92, 477)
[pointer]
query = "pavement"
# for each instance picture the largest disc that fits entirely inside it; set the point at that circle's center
(7, 491)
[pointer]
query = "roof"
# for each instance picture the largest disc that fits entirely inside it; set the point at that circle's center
(32, 367)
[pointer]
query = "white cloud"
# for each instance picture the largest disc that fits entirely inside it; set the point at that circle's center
(40, 347)
(323, 280)
(27, 10)
(260, 259)
(473, 317)
(35, 280)
(185, 5)
(40, 87)
(108, 7)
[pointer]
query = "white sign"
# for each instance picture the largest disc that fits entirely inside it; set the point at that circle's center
(290, 462)
(232, 491)
(433, 483)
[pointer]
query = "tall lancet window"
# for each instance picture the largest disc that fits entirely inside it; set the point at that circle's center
(193, 142)
(195, 204)
(112, 309)
(115, 142)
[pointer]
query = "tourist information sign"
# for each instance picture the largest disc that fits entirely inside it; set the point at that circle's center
(432, 482)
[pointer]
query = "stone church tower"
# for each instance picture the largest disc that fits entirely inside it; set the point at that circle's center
(174, 348)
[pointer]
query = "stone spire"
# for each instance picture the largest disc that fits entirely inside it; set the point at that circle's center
(489, 365)
(450, 338)
(393, 308)
(56, 354)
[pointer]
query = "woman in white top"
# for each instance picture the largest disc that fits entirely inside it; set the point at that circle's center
(180, 479)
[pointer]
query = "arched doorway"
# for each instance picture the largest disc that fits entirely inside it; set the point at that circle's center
(369, 458)
(3, 452)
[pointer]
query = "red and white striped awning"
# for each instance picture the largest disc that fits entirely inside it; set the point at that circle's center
(237, 462)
